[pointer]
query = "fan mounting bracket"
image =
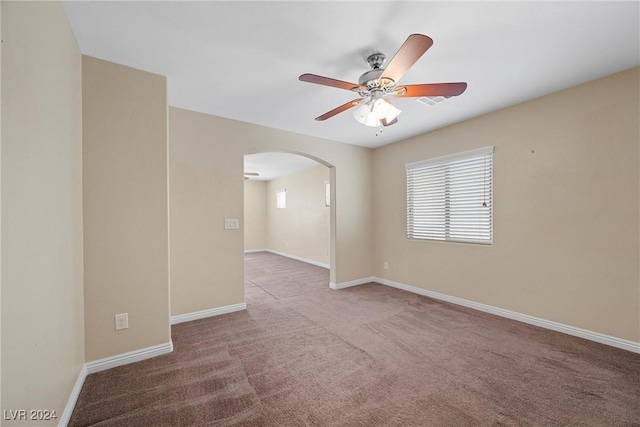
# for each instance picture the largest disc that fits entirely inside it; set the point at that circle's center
(376, 60)
(371, 79)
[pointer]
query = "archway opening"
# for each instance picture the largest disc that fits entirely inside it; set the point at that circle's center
(289, 208)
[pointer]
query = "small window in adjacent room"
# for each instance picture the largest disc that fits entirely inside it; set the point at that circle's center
(281, 199)
(327, 194)
(451, 198)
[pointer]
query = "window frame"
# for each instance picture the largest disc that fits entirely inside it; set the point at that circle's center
(281, 196)
(438, 218)
(327, 194)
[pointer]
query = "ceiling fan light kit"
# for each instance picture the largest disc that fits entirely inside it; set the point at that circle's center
(375, 113)
(378, 83)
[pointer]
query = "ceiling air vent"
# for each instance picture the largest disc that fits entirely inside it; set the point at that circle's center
(431, 100)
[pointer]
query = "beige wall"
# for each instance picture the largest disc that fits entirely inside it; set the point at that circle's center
(255, 215)
(1, 406)
(302, 229)
(566, 185)
(125, 208)
(206, 186)
(566, 237)
(42, 304)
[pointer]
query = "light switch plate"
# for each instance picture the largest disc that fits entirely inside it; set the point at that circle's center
(231, 223)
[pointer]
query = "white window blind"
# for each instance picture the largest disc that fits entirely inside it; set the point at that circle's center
(451, 198)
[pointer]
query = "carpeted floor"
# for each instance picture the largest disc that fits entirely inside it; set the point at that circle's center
(305, 355)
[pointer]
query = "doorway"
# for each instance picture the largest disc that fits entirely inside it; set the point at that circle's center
(289, 207)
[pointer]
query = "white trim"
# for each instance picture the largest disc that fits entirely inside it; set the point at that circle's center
(187, 317)
(129, 357)
(351, 283)
(73, 397)
(298, 258)
(253, 251)
(547, 324)
(450, 157)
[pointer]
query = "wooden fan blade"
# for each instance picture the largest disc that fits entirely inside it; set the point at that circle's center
(392, 122)
(339, 109)
(326, 81)
(251, 174)
(411, 50)
(430, 89)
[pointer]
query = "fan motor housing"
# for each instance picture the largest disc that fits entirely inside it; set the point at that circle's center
(370, 78)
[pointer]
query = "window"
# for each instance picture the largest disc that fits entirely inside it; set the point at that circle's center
(281, 199)
(451, 198)
(327, 194)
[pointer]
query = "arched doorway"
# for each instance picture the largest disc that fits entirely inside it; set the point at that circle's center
(289, 207)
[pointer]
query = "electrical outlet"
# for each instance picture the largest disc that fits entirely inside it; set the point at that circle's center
(386, 265)
(122, 321)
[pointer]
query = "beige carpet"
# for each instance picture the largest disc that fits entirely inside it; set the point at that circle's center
(305, 355)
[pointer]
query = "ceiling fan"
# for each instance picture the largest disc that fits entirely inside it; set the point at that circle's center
(249, 175)
(377, 84)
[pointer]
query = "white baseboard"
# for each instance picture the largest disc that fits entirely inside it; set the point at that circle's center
(547, 324)
(351, 283)
(253, 251)
(298, 258)
(108, 363)
(180, 318)
(73, 398)
(129, 357)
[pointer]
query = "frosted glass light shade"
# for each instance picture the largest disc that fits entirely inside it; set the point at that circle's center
(381, 108)
(393, 113)
(363, 115)
(372, 114)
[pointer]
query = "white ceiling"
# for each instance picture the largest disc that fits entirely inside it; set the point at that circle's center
(273, 164)
(241, 60)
